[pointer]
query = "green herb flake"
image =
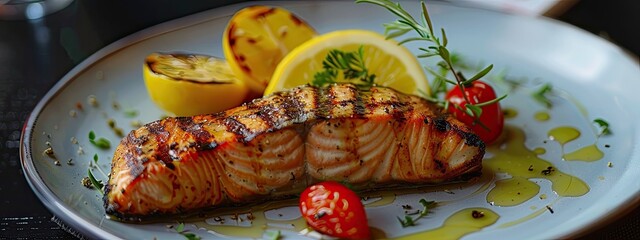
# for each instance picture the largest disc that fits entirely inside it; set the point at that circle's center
(190, 236)
(101, 143)
(131, 113)
(540, 95)
(406, 222)
(180, 227)
(186, 233)
(603, 126)
(272, 234)
(410, 221)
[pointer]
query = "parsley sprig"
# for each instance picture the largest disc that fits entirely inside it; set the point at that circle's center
(438, 47)
(411, 221)
(350, 64)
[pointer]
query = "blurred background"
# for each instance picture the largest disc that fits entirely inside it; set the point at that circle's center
(35, 53)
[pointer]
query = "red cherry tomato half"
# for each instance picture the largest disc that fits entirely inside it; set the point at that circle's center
(491, 120)
(333, 209)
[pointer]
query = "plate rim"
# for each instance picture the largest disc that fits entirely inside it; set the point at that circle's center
(86, 228)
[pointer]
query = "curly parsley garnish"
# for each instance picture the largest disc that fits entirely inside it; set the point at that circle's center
(411, 221)
(350, 64)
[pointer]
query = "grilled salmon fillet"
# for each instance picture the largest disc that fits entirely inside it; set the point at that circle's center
(275, 146)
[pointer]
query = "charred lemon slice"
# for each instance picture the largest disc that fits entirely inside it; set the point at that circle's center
(190, 84)
(393, 65)
(257, 38)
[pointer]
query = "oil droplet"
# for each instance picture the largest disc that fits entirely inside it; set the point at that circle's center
(588, 154)
(458, 225)
(539, 151)
(542, 116)
(512, 192)
(564, 134)
(509, 113)
(518, 161)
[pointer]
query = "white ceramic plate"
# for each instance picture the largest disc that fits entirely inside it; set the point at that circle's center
(597, 74)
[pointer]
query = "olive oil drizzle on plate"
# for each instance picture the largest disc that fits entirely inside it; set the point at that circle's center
(515, 159)
(459, 224)
(565, 134)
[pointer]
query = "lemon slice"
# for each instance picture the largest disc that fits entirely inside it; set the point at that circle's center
(257, 38)
(191, 84)
(393, 65)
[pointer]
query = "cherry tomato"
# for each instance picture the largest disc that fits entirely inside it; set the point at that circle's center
(491, 119)
(333, 209)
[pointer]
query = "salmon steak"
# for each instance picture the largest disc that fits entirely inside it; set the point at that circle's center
(274, 147)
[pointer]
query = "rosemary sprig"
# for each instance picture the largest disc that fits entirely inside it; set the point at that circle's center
(425, 32)
(96, 183)
(350, 64)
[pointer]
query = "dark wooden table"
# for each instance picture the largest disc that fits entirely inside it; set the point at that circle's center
(35, 54)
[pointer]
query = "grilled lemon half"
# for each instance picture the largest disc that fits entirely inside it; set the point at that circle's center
(186, 84)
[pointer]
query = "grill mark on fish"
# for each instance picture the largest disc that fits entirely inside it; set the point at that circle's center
(184, 123)
(441, 124)
(322, 106)
(329, 100)
(155, 128)
(269, 114)
(240, 130)
(472, 139)
(359, 106)
(195, 129)
(293, 107)
(399, 109)
(158, 130)
(135, 164)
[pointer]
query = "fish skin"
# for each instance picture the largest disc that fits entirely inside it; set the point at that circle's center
(274, 147)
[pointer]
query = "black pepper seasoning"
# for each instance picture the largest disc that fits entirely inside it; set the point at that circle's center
(477, 214)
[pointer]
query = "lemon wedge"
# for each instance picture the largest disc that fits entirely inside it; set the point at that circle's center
(394, 65)
(257, 38)
(190, 84)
